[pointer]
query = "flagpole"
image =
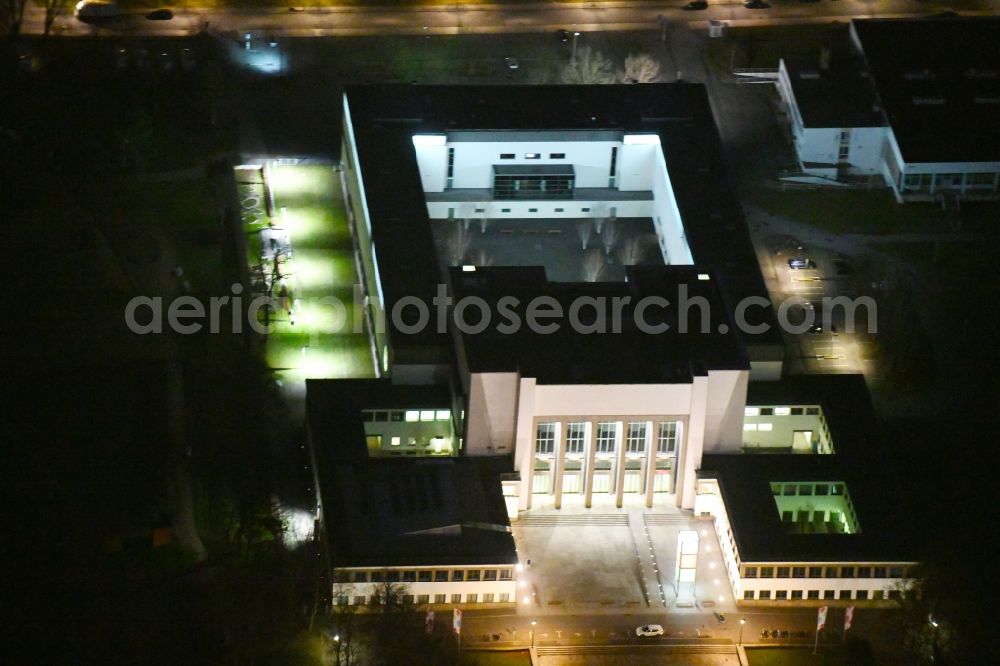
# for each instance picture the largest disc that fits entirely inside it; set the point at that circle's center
(816, 642)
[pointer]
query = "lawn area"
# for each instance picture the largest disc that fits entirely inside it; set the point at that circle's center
(495, 658)
(323, 336)
(800, 657)
(850, 211)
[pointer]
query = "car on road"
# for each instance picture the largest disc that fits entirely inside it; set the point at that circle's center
(721, 617)
(696, 5)
(801, 263)
(160, 15)
(649, 630)
(756, 4)
(563, 35)
(511, 63)
(89, 9)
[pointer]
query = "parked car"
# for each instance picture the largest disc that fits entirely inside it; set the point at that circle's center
(511, 63)
(696, 5)
(160, 15)
(649, 630)
(90, 9)
(800, 263)
(756, 4)
(721, 617)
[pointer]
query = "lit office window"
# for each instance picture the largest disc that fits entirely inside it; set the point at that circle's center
(576, 437)
(427, 415)
(412, 415)
(751, 411)
(782, 411)
(749, 426)
(394, 441)
(765, 427)
(606, 433)
(545, 438)
(666, 440)
(635, 442)
(443, 415)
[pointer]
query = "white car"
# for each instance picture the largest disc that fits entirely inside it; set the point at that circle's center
(649, 630)
(511, 63)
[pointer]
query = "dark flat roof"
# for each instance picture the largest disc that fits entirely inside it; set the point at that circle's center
(938, 80)
(401, 511)
(859, 461)
(568, 356)
(840, 96)
(385, 117)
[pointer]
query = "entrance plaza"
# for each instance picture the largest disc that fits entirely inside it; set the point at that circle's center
(615, 561)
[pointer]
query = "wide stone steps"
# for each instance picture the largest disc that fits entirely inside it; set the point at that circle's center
(664, 648)
(550, 520)
(666, 519)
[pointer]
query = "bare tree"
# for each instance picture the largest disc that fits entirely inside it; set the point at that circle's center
(486, 206)
(584, 230)
(52, 9)
(458, 244)
(342, 615)
(590, 67)
(641, 68)
(593, 266)
(633, 250)
(482, 258)
(467, 211)
(11, 17)
(600, 212)
(609, 237)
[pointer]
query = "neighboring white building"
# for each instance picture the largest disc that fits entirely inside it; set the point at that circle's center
(916, 101)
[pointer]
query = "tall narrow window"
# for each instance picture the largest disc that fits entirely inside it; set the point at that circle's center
(451, 166)
(606, 432)
(636, 440)
(614, 166)
(666, 440)
(545, 438)
(576, 437)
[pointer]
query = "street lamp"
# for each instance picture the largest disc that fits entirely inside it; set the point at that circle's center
(533, 623)
(743, 621)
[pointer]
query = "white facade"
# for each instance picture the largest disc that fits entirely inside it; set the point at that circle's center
(775, 582)
(490, 584)
(629, 164)
(831, 151)
(505, 411)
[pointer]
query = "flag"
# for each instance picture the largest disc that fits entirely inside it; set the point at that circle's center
(821, 618)
(848, 617)
(456, 621)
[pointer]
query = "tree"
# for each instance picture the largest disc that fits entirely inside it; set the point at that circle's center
(584, 231)
(632, 251)
(12, 16)
(52, 9)
(593, 266)
(609, 236)
(641, 68)
(590, 67)
(458, 244)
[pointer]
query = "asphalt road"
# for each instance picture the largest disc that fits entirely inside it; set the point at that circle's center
(460, 19)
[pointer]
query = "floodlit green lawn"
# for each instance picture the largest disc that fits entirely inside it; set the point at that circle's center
(320, 339)
(495, 658)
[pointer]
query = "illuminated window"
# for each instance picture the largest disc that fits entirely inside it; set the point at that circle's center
(427, 415)
(749, 426)
(576, 435)
(765, 427)
(394, 441)
(412, 415)
(635, 442)
(606, 433)
(751, 411)
(443, 415)
(666, 440)
(782, 411)
(545, 438)
(531, 156)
